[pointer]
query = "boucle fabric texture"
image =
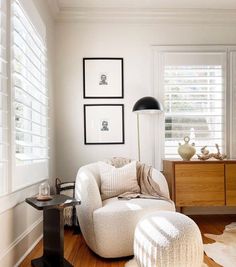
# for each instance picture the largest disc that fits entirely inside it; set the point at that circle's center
(115, 223)
(168, 239)
(115, 181)
(108, 226)
(133, 263)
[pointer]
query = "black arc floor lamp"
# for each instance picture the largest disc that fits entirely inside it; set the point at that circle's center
(145, 105)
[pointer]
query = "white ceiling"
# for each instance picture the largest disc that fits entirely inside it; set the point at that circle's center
(162, 4)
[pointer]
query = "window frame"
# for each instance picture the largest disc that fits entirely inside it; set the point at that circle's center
(14, 196)
(158, 91)
(220, 57)
(23, 171)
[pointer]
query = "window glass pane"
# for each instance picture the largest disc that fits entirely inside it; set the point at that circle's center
(31, 104)
(194, 106)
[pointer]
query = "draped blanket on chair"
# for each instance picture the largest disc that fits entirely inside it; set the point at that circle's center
(148, 187)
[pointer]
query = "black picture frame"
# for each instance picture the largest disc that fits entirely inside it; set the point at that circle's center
(87, 79)
(121, 131)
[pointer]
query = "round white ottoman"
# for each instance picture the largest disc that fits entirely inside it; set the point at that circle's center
(168, 239)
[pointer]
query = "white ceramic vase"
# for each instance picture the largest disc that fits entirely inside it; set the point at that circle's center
(186, 151)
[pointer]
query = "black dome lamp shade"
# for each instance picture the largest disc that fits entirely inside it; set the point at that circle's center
(145, 105)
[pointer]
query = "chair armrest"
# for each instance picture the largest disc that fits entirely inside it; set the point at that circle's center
(160, 179)
(87, 190)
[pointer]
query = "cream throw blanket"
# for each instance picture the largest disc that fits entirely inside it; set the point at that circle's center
(148, 187)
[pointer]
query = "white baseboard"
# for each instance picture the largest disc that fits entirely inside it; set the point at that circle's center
(7, 256)
(28, 251)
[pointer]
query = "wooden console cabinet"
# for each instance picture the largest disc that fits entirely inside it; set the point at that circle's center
(201, 183)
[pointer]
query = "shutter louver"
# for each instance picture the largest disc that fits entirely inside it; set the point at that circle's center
(194, 106)
(29, 81)
(30, 96)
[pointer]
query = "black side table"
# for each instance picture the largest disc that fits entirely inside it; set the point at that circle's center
(53, 230)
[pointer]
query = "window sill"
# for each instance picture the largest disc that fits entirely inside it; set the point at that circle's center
(11, 200)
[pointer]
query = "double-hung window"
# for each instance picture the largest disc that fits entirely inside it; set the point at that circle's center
(24, 152)
(195, 86)
(3, 101)
(30, 100)
(194, 101)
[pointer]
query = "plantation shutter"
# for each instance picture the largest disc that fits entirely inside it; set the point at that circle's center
(3, 101)
(194, 100)
(30, 99)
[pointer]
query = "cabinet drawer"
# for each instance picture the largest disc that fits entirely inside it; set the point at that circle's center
(230, 175)
(199, 184)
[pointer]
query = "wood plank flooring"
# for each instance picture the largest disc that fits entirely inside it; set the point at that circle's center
(80, 255)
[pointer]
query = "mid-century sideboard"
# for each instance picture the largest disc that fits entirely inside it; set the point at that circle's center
(201, 183)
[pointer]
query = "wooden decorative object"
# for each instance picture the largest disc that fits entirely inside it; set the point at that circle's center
(207, 155)
(43, 198)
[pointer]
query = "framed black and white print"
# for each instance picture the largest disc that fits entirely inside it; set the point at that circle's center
(104, 124)
(103, 78)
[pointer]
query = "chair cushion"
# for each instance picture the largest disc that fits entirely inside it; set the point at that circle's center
(114, 206)
(115, 181)
(115, 222)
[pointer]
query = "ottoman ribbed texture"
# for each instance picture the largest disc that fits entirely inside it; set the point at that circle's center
(168, 239)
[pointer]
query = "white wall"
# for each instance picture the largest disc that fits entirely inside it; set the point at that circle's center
(21, 226)
(133, 42)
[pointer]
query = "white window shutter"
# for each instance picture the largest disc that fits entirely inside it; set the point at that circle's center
(194, 100)
(30, 100)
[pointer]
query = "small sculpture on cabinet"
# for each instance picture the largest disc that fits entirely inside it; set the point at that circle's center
(207, 155)
(186, 151)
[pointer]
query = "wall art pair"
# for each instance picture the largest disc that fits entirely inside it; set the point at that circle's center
(103, 78)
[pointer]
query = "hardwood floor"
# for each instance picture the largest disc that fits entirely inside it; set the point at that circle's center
(80, 255)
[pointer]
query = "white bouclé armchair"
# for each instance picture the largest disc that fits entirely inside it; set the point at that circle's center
(108, 226)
